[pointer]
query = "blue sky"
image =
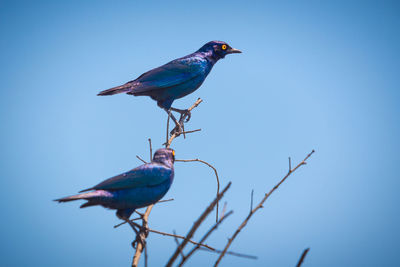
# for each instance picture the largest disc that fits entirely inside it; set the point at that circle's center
(320, 75)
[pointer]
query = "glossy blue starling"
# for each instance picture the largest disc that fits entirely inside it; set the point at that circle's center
(177, 78)
(137, 188)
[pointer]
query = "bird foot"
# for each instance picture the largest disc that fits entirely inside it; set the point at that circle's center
(141, 215)
(134, 226)
(185, 113)
(177, 130)
(141, 234)
(139, 239)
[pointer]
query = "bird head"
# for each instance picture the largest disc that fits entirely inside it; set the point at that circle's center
(218, 49)
(165, 156)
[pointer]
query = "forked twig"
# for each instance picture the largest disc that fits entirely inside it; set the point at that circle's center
(143, 236)
(182, 237)
(214, 227)
(196, 225)
(260, 205)
(176, 133)
(177, 243)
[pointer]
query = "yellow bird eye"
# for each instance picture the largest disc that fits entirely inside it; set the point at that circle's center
(223, 47)
(173, 153)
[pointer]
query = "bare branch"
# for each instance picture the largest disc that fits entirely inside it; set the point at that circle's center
(216, 175)
(198, 245)
(166, 136)
(214, 227)
(303, 255)
(192, 131)
(176, 133)
(196, 225)
(251, 200)
(141, 159)
(165, 200)
(177, 243)
(151, 154)
(244, 223)
(151, 150)
(124, 222)
(142, 235)
(232, 253)
(181, 237)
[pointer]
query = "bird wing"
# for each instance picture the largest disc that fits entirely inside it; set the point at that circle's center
(146, 175)
(171, 74)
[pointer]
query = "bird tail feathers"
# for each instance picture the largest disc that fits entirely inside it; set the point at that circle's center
(116, 90)
(86, 196)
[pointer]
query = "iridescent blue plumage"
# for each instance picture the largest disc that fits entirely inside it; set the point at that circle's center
(134, 189)
(177, 78)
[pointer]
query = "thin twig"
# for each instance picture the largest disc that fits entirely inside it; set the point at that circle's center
(216, 175)
(165, 200)
(196, 225)
(191, 131)
(124, 222)
(166, 138)
(251, 201)
(232, 253)
(181, 237)
(303, 255)
(151, 153)
(141, 159)
(177, 133)
(199, 245)
(151, 150)
(177, 243)
(260, 205)
(214, 227)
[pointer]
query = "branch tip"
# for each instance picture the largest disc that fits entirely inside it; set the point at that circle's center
(260, 205)
(302, 257)
(142, 160)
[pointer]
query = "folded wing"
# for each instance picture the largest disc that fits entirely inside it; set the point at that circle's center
(146, 175)
(171, 74)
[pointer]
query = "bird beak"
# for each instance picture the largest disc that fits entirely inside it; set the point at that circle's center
(234, 51)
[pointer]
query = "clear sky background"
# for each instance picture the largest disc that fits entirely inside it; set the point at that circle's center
(320, 75)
